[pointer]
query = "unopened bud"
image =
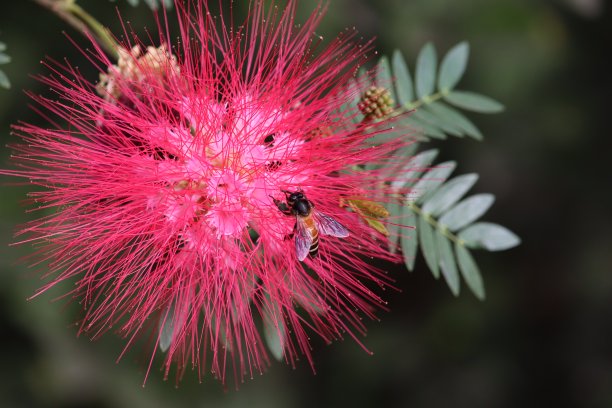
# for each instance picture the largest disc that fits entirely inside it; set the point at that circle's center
(376, 103)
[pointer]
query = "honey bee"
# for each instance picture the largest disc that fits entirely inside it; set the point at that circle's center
(309, 223)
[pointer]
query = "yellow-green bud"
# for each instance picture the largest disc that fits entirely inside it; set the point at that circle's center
(376, 103)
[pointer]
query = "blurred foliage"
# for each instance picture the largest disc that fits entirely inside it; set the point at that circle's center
(153, 4)
(543, 336)
(4, 59)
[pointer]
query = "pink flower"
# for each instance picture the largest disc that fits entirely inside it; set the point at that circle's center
(171, 188)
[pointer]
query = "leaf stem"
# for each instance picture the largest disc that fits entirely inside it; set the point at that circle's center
(102, 33)
(73, 14)
(426, 100)
(441, 228)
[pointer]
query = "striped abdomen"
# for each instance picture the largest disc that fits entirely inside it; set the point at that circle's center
(311, 227)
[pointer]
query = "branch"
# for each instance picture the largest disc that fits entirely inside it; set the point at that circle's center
(78, 18)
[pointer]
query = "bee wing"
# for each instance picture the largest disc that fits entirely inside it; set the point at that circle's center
(303, 239)
(328, 226)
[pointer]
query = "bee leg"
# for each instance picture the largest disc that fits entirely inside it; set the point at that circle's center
(281, 206)
(290, 236)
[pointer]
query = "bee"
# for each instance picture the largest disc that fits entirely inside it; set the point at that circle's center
(309, 223)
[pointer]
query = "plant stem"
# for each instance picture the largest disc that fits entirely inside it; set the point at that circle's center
(426, 100)
(73, 14)
(434, 223)
(102, 33)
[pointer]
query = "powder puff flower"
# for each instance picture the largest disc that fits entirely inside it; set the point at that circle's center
(199, 191)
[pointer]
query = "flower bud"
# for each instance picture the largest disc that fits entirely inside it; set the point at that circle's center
(376, 103)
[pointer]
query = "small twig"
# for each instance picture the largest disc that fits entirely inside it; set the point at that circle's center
(434, 223)
(78, 18)
(59, 8)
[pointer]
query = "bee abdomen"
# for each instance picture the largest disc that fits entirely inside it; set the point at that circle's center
(314, 247)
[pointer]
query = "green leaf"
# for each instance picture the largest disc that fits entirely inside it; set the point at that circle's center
(132, 3)
(410, 241)
(4, 59)
(403, 80)
(431, 180)
(153, 4)
(4, 81)
(384, 78)
(382, 135)
(428, 246)
(395, 213)
(467, 211)
(425, 128)
(474, 102)
(491, 237)
(353, 94)
(388, 167)
(219, 330)
(469, 271)
(166, 331)
(448, 194)
(433, 120)
(408, 175)
(364, 77)
(274, 333)
(425, 74)
(453, 66)
(452, 116)
(407, 151)
(447, 263)
(308, 300)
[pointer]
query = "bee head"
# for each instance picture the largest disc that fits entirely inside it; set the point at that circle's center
(293, 197)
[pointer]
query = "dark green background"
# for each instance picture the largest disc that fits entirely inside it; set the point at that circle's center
(544, 335)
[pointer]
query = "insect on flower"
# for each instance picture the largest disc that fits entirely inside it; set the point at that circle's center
(160, 181)
(309, 223)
